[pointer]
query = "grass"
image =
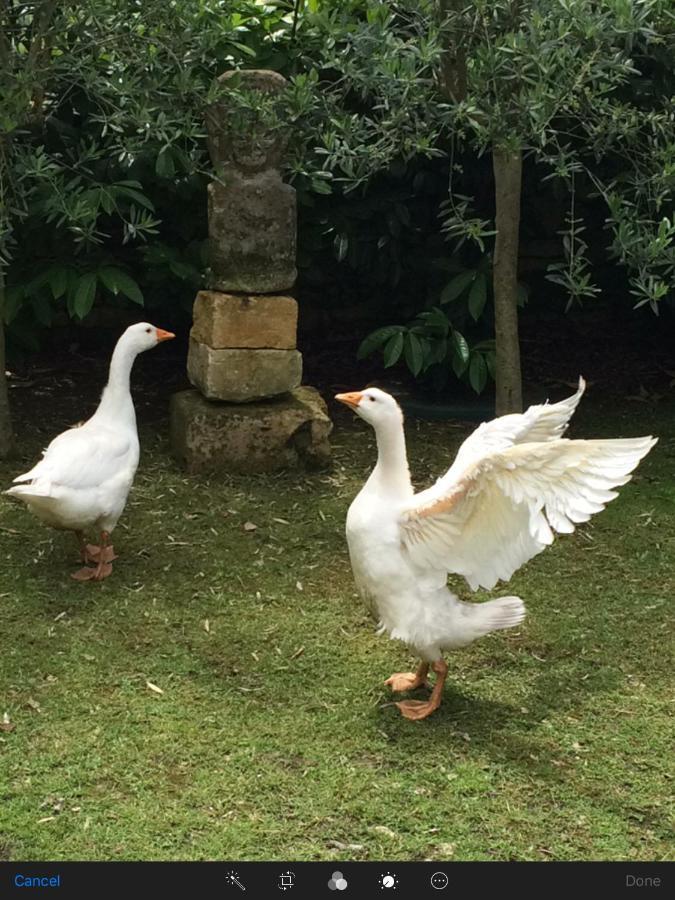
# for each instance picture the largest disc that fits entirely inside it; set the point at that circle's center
(273, 736)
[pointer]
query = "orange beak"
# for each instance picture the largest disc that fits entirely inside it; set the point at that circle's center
(164, 335)
(352, 399)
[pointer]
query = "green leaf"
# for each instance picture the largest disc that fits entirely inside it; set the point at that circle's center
(414, 356)
(58, 281)
(393, 349)
(82, 299)
(477, 296)
(248, 51)
(457, 286)
(438, 351)
(478, 372)
(117, 281)
(164, 164)
(341, 245)
(321, 186)
(460, 348)
(132, 194)
(375, 339)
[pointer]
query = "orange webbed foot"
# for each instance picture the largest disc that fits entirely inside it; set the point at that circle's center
(405, 681)
(84, 574)
(417, 709)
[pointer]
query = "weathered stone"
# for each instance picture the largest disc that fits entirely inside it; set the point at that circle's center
(252, 213)
(252, 234)
(240, 376)
(259, 437)
(245, 320)
(244, 137)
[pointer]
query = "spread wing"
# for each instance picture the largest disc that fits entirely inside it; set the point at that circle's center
(501, 510)
(80, 458)
(543, 422)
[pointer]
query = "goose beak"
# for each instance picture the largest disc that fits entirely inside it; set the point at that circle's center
(164, 335)
(352, 399)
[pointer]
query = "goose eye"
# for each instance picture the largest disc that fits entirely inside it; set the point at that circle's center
(372, 399)
(147, 331)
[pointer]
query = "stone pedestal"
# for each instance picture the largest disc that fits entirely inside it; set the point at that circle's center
(248, 412)
(268, 436)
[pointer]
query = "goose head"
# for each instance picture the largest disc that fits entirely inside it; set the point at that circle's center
(377, 407)
(144, 336)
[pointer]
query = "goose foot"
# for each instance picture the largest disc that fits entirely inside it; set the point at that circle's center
(101, 558)
(84, 574)
(417, 709)
(420, 709)
(409, 681)
(94, 553)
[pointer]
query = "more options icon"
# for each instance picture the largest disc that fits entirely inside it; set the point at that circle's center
(439, 881)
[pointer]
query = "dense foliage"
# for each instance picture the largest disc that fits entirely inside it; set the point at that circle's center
(393, 110)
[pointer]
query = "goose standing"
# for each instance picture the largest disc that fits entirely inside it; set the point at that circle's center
(85, 474)
(514, 482)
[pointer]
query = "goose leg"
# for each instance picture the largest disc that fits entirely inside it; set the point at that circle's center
(408, 681)
(420, 709)
(104, 558)
(106, 554)
(88, 552)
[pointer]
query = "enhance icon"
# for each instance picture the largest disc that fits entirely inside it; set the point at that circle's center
(233, 878)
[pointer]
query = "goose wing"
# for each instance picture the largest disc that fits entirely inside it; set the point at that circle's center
(488, 519)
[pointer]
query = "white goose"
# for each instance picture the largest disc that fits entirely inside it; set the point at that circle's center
(514, 482)
(85, 474)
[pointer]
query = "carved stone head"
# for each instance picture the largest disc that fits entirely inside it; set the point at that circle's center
(242, 138)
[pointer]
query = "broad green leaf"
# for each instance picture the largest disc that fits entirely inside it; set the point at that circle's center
(58, 281)
(438, 352)
(478, 372)
(393, 349)
(457, 286)
(119, 282)
(413, 354)
(477, 296)
(375, 339)
(83, 296)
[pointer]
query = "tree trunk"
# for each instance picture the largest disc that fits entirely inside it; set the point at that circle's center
(507, 166)
(6, 432)
(452, 74)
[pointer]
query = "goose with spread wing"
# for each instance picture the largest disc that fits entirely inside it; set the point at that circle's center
(514, 482)
(85, 474)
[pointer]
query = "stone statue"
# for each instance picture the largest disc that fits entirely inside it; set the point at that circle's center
(248, 411)
(252, 213)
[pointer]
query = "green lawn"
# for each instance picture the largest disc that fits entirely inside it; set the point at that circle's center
(273, 736)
